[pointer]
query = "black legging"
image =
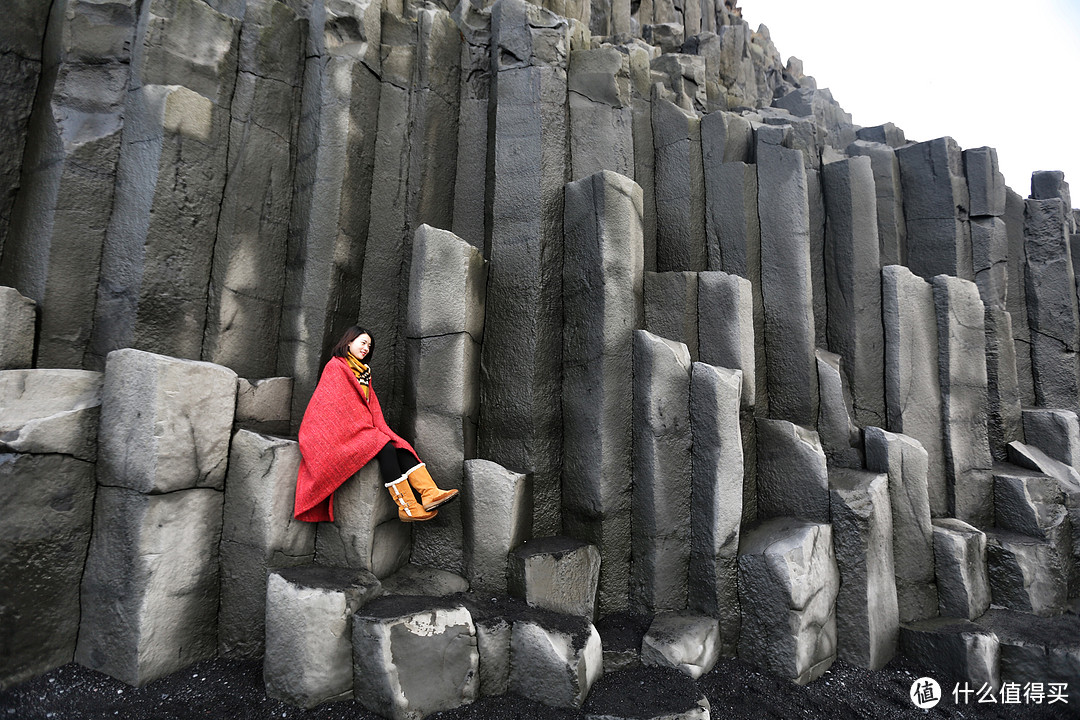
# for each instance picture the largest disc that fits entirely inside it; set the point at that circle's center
(394, 461)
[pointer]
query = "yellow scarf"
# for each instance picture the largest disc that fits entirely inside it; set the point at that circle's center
(361, 371)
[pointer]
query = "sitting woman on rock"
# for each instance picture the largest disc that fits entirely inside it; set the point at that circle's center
(343, 430)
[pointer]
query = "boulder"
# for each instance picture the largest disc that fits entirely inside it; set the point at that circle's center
(50, 411)
(554, 659)
(688, 643)
(497, 516)
(960, 564)
(556, 573)
(1055, 432)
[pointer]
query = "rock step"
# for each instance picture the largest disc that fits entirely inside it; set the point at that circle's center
(1037, 650)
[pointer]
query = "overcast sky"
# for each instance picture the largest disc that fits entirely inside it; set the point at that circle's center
(986, 72)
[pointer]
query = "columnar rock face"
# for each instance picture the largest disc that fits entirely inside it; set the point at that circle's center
(601, 116)
(16, 329)
(960, 564)
(662, 474)
(496, 518)
(788, 582)
(905, 462)
(986, 185)
(867, 618)
(263, 404)
(671, 307)
(954, 648)
(1026, 574)
(912, 382)
(680, 191)
(792, 477)
(841, 439)
(936, 208)
(1034, 649)
(50, 411)
(602, 282)
(521, 408)
(556, 573)
(892, 231)
(444, 328)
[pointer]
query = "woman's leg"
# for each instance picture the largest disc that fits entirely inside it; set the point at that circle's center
(389, 467)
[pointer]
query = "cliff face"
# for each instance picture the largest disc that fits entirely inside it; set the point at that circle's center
(771, 365)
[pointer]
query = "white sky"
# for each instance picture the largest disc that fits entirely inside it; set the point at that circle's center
(985, 72)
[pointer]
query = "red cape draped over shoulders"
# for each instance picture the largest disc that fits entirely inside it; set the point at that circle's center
(341, 432)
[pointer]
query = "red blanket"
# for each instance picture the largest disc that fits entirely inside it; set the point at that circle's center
(340, 433)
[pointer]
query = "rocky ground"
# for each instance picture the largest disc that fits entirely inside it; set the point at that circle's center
(735, 690)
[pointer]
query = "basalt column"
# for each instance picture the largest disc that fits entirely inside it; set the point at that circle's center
(59, 218)
(602, 282)
(331, 187)
(521, 395)
(601, 118)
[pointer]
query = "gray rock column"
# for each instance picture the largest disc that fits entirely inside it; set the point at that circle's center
(853, 283)
(496, 518)
(18, 315)
(1027, 574)
(556, 573)
(960, 565)
(792, 479)
(905, 461)
(788, 582)
(1016, 297)
(150, 591)
(912, 381)
(1004, 423)
(50, 411)
(717, 497)
(1051, 305)
(43, 544)
(258, 534)
(603, 286)
(955, 648)
(644, 151)
(671, 307)
(1037, 650)
(892, 230)
(962, 366)
(472, 189)
(1055, 432)
(444, 327)
(986, 184)
(1050, 184)
(554, 660)
(791, 370)
(335, 153)
(680, 188)
(601, 116)
(263, 404)
(69, 147)
(840, 438)
(247, 278)
(521, 407)
(867, 616)
(886, 134)
(662, 474)
(936, 208)
(725, 326)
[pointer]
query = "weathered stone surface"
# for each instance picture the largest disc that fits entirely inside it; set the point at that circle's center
(332, 184)
(554, 660)
(954, 648)
(732, 227)
(1026, 501)
(50, 411)
(1051, 305)
(1037, 650)
(497, 516)
(867, 616)
(912, 381)
(891, 228)
(364, 512)
(785, 285)
(688, 643)
(1004, 423)
(960, 565)
(262, 405)
(662, 471)
(556, 573)
(905, 461)
(986, 184)
(853, 283)
(446, 286)
(165, 423)
(671, 307)
(1055, 432)
(150, 590)
(887, 134)
(644, 152)
(471, 183)
(1016, 297)
(413, 657)
(834, 125)
(1026, 574)
(680, 188)
(422, 580)
(788, 582)
(247, 278)
(792, 478)
(668, 36)
(840, 438)
(309, 638)
(601, 116)
(725, 326)
(68, 148)
(962, 369)
(43, 542)
(717, 497)
(1049, 184)
(816, 203)
(17, 317)
(603, 286)
(936, 208)
(521, 410)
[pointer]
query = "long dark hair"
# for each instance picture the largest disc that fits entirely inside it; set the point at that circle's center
(341, 349)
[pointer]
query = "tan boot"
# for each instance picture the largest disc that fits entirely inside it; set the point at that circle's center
(431, 496)
(408, 509)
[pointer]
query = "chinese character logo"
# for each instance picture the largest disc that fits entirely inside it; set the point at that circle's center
(925, 693)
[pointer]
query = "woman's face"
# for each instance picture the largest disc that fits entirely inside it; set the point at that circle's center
(360, 346)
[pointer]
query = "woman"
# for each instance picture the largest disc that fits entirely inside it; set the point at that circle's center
(343, 430)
